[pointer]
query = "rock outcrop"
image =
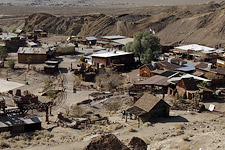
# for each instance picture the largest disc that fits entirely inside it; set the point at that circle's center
(201, 24)
(106, 142)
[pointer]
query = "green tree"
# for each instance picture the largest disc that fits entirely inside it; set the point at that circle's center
(145, 46)
(28, 61)
(3, 54)
(11, 64)
(14, 30)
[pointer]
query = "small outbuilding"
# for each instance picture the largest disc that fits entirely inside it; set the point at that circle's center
(18, 123)
(32, 55)
(146, 70)
(149, 107)
(186, 87)
(113, 57)
(51, 67)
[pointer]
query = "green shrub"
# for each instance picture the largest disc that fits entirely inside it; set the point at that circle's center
(11, 64)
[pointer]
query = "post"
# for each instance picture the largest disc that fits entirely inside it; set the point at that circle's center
(138, 121)
(7, 75)
(126, 117)
(47, 117)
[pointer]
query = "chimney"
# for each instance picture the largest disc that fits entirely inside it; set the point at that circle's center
(154, 64)
(181, 63)
(209, 66)
(169, 60)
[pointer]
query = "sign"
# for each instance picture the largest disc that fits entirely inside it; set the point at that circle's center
(211, 107)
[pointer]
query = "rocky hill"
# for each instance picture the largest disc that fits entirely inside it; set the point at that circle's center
(203, 24)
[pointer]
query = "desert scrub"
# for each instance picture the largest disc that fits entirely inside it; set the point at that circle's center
(186, 138)
(159, 138)
(185, 147)
(132, 130)
(179, 132)
(179, 126)
(5, 135)
(112, 107)
(4, 145)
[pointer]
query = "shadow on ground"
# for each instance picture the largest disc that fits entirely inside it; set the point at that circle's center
(171, 119)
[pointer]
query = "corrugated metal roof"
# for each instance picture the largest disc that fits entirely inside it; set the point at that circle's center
(188, 67)
(124, 41)
(91, 38)
(111, 54)
(32, 43)
(15, 120)
(102, 42)
(31, 50)
(196, 47)
(115, 44)
(114, 37)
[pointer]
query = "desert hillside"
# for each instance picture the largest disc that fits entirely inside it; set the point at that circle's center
(203, 24)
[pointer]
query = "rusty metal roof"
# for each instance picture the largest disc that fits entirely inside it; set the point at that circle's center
(31, 50)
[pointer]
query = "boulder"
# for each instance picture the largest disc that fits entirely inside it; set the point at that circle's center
(106, 142)
(137, 144)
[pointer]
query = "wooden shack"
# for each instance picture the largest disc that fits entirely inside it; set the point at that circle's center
(216, 74)
(112, 38)
(186, 88)
(113, 57)
(32, 55)
(149, 107)
(51, 67)
(18, 123)
(147, 70)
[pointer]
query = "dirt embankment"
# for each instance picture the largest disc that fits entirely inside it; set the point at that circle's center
(202, 24)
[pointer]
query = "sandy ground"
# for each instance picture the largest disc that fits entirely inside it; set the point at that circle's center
(8, 85)
(205, 130)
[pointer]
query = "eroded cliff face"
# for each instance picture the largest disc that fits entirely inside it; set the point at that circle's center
(203, 24)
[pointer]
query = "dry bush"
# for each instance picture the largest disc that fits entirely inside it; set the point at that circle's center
(48, 82)
(114, 127)
(77, 111)
(159, 138)
(5, 135)
(132, 130)
(179, 132)
(147, 124)
(190, 134)
(185, 147)
(109, 80)
(186, 138)
(21, 144)
(77, 81)
(179, 126)
(127, 101)
(112, 106)
(4, 145)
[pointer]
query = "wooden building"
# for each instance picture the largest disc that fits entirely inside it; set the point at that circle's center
(220, 62)
(12, 41)
(146, 70)
(112, 38)
(113, 57)
(32, 55)
(186, 88)
(216, 74)
(149, 107)
(51, 67)
(17, 123)
(88, 40)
